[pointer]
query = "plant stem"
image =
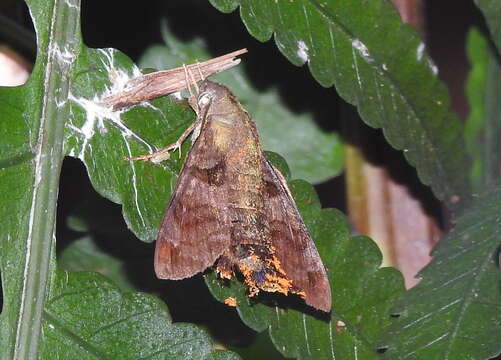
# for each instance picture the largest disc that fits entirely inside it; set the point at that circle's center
(56, 63)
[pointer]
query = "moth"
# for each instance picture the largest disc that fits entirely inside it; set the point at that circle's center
(232, 209)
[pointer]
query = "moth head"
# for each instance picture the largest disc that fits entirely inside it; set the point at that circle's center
(210, 92)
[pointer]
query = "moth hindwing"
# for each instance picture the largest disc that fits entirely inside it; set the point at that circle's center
(231, 209)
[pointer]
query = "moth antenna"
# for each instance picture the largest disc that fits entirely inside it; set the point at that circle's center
(194, 81)
(200, 71)
(187, 78)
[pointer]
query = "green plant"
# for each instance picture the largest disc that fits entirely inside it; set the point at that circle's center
(375, 62)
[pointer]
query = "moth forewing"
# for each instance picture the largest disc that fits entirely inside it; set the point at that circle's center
(184, 247)
(233, 210)
(293, 244)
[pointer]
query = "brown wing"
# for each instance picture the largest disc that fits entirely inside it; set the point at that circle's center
(195, 228)
(294, 248)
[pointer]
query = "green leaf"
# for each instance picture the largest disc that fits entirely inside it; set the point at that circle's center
(362, 292)
(262, 348)
(102, 138)
(483, 126)
(222, 355)
(378, 64)
(453, 313)
(87, 317)
(84, 255)
(32, 127)
(313, 155)
(492, 12)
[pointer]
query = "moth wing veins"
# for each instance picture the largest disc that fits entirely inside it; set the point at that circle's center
(293, 245)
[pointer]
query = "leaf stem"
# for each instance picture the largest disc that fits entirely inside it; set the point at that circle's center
(56, 61)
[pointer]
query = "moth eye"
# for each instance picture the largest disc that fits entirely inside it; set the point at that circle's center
(203, 99)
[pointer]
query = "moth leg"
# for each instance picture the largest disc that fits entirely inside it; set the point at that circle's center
(187, 75)
(200, 71)
(192, 100)
(163, 154)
